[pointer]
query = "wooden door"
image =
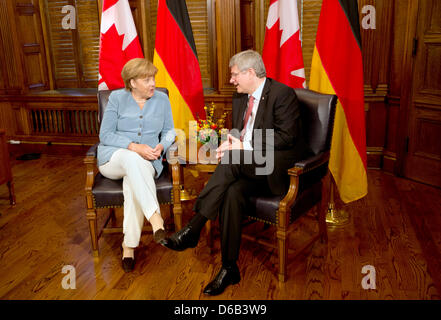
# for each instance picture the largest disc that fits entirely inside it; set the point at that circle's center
(423, 157)
(5, 169)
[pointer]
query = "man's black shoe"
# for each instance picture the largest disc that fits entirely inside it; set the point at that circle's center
(183, 239)
(224, 278)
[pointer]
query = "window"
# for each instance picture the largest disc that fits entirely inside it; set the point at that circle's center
(74, 52)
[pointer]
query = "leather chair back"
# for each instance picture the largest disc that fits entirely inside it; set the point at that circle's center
(103, 99)
(317, 113)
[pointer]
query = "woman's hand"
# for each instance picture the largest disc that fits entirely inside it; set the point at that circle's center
(158, 150)
(145, 151)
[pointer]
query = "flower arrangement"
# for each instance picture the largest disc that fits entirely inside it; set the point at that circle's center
(210, 129)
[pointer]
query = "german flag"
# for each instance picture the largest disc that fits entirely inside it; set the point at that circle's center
(337, 69)
(176, 59)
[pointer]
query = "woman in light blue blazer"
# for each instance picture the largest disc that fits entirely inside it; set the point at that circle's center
(136, 131)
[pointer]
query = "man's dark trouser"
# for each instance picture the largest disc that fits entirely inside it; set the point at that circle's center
(227, 192)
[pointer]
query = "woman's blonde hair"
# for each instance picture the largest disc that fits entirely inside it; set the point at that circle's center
(138, 68)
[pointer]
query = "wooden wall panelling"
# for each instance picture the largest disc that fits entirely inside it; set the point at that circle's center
(28, 23)
(10, 49)
(311, 15)
(375, 113)
(88, 34)
(211, 19)
(396, 74)
(146, 23)
(22, 123)
(423, 156)
(376, 44)
(410, 10)
(386, 16)
(247, 25)
(390, 149)
(7, 121)
(49, 57)
(153, 7)
(198, 12)
(135, 6)
(376, 57)
(260, 22)
(228, 40)
(3, 72)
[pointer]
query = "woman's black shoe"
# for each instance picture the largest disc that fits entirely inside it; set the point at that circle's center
(128, 264)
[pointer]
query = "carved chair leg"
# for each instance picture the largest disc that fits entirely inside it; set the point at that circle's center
(177, 216)
(11, 193)
(93, 229)
(283, 252)
(112, 215)
(168, 220)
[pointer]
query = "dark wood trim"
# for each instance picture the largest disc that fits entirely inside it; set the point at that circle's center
(44, 16)
(211, 15)
(406, 83)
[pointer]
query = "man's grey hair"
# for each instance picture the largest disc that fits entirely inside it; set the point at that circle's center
(249, 59)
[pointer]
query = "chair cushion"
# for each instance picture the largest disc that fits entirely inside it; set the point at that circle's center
(265, 208)
(108, 193)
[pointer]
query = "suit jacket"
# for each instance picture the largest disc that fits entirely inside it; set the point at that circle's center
(279, 109)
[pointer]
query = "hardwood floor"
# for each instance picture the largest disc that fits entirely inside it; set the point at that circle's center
(396, 229)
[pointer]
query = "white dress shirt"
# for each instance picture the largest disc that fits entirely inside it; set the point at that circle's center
(249, 129)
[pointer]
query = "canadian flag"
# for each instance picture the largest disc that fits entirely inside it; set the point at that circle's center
(282, 48)
(119, 43)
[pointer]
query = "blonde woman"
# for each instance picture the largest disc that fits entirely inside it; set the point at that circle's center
(136, 131)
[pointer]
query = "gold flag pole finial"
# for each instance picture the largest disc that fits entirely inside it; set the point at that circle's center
(185, 195)
(335, 217)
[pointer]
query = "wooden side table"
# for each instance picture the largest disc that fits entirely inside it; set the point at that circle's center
(5, 167)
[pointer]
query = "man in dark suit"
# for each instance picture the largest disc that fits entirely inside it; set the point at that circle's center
(254, 161)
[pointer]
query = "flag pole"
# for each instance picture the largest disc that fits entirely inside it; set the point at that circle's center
(335, 217)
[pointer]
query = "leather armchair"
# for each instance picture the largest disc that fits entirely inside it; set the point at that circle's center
(106, 193)
(309, 180)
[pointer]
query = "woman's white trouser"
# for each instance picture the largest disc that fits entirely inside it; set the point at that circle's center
(139, 191)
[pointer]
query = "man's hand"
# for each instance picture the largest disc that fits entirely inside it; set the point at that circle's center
(230, 144)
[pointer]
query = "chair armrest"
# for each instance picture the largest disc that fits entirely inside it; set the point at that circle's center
(294, 173)
(176, 171)
(309, 164)
(92, 151)
(90, 162)
(173, 148)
